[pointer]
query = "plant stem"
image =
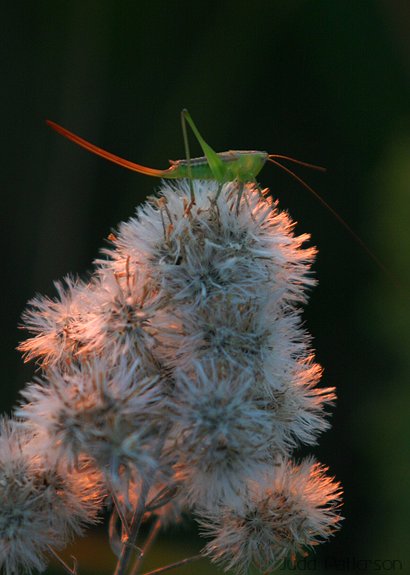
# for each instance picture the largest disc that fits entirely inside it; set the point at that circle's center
(119, 509)
(114, 537)
(173, 565)
(162, 498)
(63, 563)
(129, 543)
(147, 545)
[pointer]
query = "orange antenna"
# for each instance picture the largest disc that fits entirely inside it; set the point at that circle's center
(107, 155)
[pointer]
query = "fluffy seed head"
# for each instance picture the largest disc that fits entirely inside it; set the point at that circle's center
(287, 509)
(221, 435)
(41, 503)
(110, 414)
(56, 325)
(118, 320)
(186, 354)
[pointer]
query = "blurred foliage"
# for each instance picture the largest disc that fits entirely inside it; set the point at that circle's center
(323, 81)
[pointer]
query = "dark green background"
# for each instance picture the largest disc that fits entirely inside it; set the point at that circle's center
(323, 81)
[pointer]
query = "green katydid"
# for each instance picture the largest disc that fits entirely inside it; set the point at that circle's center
(234, 165)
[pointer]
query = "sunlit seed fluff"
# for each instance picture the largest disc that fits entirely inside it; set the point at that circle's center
(184, 361)
(284, 376)
(111, 414)
(42, 504)
(56, 324)
(227, 277)
(297, 408)
(224, 330)
(213, 247)
(221, 435)
(232, 281)
(287, 510)
(118, 321)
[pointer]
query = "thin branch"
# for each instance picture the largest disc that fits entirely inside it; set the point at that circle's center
(173, 565)
(156, 526)
(120, 511)
(114, 537)
(66, 567)
(162, 498)
(129, 544)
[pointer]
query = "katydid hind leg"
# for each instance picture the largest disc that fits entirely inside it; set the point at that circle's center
(216, 165)
(188, 156)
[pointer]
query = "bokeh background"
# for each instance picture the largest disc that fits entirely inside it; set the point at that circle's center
(323, 81)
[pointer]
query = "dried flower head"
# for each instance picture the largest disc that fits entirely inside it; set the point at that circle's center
(57, 324)
(42, 503)
(182, 368)
(110, 414)
(286, 510)
(118, 320)
(221, 434)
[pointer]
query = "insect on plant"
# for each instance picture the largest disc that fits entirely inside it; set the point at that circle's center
(241, 166)
(177, 379)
